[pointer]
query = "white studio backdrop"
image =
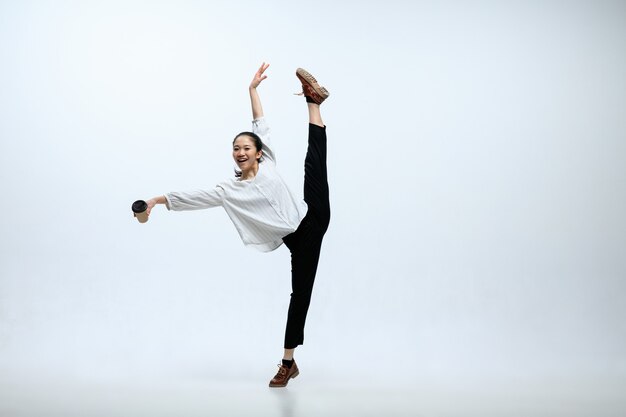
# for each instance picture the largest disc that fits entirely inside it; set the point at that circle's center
(476, 159)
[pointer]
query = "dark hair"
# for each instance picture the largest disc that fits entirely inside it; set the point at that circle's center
(258, 144)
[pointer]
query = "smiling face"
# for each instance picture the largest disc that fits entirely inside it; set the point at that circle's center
(246, 155)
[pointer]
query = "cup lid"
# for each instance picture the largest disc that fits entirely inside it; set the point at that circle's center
(139, 206)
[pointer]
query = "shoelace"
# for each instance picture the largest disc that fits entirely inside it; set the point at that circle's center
(282, 370)
(303, 92)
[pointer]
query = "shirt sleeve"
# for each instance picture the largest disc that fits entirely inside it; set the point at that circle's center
(194, 200)
(261, 128)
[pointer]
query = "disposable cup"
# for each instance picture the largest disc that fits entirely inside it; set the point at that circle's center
(140, 208)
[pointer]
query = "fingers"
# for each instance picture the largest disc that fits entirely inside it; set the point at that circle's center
(259, 76)
(259, 73)
(151, 204)
(262, 68)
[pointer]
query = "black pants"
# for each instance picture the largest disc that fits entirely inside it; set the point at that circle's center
(306, 242)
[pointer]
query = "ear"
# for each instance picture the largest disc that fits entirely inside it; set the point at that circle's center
(259, 154)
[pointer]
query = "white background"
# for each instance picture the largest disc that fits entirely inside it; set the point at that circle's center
(478, 189)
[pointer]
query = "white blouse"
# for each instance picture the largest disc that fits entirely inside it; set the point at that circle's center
(263, 209)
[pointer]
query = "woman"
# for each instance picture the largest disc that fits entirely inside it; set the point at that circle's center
(264, 211)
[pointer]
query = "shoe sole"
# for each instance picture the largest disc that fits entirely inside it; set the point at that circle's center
(319, 93)
(285, 384)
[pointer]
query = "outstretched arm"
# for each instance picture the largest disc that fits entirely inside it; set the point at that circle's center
(189, 200)
(255, 100)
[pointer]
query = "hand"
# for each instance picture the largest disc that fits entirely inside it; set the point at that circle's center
(258, 77)
(151, 203)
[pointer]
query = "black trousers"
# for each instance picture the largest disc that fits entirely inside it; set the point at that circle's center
(305, 243)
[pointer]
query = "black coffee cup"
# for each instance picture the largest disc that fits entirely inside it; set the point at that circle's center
(139, 209)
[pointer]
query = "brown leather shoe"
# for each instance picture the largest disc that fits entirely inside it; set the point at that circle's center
(284, 375)
(310, 87)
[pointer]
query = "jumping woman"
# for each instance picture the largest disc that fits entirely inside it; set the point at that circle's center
(265, 212)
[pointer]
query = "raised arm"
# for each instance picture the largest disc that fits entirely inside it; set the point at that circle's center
(255, 100)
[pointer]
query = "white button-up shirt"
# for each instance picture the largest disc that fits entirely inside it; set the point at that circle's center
(262, 209)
